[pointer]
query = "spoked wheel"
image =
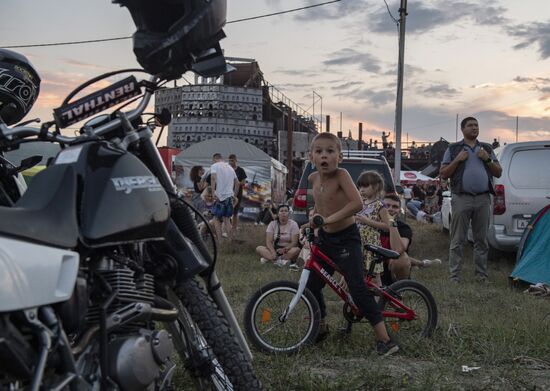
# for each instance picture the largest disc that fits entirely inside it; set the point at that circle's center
(207, 345)
(263, 324)
(417, 297)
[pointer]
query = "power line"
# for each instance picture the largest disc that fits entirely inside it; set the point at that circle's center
(389, 12)
(122, 38)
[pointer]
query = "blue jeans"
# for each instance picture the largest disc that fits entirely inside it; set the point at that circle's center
(223, 208)
(414, 206)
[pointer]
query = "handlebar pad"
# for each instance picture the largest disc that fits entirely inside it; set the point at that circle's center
(98, 101)
(318, 220)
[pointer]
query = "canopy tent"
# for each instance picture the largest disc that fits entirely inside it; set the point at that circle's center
(410, 177)
(533, 258)
(266, 177)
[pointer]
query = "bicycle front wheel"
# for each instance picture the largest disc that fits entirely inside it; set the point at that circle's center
(418, 298)
(263, 324)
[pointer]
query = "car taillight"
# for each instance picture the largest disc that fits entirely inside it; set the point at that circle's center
(300, 199)
(499, 201)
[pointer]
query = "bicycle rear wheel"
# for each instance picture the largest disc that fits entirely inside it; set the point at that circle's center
(417, 297)
(262, 318)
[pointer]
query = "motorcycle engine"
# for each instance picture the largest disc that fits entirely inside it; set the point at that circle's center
(136, 360)
(131, 287)
(137, 352)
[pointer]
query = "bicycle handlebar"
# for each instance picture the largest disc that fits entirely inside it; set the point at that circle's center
(318, 220)
(21, 132)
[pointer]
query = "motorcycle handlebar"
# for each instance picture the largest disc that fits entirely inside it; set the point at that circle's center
(21, 132)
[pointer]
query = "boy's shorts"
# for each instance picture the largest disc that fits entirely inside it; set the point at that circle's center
(223, 208)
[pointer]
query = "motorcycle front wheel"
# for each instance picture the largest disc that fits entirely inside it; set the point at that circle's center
(206, 344)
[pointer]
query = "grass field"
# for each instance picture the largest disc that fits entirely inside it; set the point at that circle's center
(499, 329)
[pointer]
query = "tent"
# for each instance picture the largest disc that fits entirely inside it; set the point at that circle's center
(266, 177)
(533, 257)
(410, 177)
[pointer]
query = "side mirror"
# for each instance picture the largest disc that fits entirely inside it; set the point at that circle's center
(27, 163)
(399, 189)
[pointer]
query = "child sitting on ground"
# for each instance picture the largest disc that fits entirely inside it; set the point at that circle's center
(337, 201)
(206, 205)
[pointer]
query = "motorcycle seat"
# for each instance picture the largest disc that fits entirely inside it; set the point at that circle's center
(46, 213)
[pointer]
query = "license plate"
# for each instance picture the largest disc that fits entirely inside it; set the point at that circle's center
(251, 210)
(521, 223)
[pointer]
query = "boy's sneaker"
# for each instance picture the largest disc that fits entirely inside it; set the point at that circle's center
(264, 260)
(323, 332)
(294, 267)
(431, 262)
(386, 348)
(281, 262)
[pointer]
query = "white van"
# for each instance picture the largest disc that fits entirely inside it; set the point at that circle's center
(521, 191)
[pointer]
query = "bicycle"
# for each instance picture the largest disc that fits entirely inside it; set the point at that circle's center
(284, 316)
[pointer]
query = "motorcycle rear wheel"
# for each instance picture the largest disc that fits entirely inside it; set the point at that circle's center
(217, 362)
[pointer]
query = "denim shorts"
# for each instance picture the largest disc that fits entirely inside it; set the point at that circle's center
(223, 208)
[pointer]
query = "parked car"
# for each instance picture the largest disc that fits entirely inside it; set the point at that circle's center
(355, 162)
(521, 191)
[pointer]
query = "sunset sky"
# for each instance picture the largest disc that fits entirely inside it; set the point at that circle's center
(490, 58)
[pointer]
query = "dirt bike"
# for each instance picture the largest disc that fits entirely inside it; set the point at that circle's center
(100, 260)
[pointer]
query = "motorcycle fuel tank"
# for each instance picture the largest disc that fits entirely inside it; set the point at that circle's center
(121, 200)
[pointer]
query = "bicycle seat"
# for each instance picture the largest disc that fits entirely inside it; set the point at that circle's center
(381, 251)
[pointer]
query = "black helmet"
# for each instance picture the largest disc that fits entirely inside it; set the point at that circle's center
(19, 86)
(175, 36)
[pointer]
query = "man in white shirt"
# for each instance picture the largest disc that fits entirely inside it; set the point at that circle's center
(225, 185)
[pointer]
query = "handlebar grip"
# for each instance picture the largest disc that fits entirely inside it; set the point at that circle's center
(318, 220)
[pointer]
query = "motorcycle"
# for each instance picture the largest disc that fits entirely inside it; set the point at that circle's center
(100, 260)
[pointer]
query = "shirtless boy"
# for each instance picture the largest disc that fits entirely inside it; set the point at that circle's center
(337, 200)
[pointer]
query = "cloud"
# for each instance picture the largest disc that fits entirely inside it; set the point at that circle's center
(297, 72)
(345, 86)
(534, 34)
(340, 10)
(375, 98)
(423, 18)
(347, 56)
(85, 65)
(438, 91)
(410, 70)
(294, 85)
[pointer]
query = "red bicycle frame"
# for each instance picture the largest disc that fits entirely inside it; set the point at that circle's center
(313, 264)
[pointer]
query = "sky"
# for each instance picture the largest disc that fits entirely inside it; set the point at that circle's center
(486, 58)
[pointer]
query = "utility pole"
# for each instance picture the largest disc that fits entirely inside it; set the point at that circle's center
(399, 103)
(456, 128)
(289, 148)
(517, 127)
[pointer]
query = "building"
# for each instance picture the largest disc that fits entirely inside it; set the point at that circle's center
(205, 111)
(239, 105)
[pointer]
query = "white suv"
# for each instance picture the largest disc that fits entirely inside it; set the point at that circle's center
(521, 191)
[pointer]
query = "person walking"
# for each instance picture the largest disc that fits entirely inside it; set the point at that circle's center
(241, 178)
(470, 165)
(224, 186)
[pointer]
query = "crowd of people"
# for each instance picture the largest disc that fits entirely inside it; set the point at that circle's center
(355, 214)
(424, 200)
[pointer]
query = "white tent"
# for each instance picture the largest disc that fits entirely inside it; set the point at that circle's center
(266, 177)
(412, 176)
